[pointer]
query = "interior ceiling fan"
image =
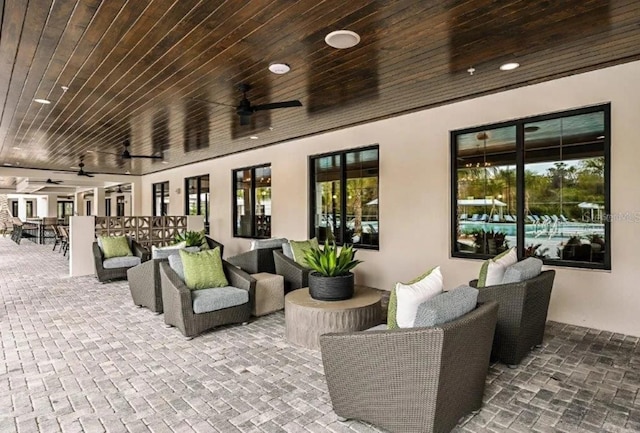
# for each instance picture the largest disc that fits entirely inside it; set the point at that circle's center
(245, 110)
(81, 172)
(127, 155)
(48, 182)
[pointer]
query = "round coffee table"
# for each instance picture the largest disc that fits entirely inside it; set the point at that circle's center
(306, 318)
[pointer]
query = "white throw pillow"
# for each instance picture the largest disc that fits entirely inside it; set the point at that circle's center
(496, 268)
(166, 251)
(410, 296)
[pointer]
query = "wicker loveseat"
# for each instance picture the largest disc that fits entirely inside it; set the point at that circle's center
(144, 280)
(414, 379)
(522, 315)
(177, 302)
(107, 274)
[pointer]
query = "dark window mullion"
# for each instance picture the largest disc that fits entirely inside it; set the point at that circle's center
(252, 200)
(520, 190)
(343, 198)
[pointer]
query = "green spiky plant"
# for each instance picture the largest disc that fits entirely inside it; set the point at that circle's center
(328, 262)
(192, 238)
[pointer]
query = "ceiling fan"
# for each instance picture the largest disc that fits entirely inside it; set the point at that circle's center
(127, 155)
(245, 110)
(81, 172)
(48, 182)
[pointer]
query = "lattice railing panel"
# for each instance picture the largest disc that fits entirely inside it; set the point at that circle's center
(148, 231)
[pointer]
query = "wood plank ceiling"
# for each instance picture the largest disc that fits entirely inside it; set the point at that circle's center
(142, 71)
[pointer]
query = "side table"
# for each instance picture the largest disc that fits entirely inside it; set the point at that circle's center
(307, 318)
(269, 293)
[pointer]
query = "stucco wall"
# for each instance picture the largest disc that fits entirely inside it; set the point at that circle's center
(415, 192)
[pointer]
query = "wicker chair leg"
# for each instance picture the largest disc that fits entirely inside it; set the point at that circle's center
(166, 325)
(342, 419)
(245, 323)
(188, 338)
(512, 366)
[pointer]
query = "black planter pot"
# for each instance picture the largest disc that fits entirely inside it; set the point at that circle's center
(330, 288)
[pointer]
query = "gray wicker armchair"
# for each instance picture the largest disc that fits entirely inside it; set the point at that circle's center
(411, 380)
(107, 274)
(144, 280)
(522, 315)
(255, 261)
(295, 276)
(178, 304)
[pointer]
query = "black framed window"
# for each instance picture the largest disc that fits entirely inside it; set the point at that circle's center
(160, 198)
(30, 208)
(252, 202)
(540, 184)
(344, 197)
(65, 209)
(14, 208)
(120, 205)
(87, 205)
(197, 198)
(107, 206)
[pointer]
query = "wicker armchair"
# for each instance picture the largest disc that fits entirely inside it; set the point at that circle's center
(255, 261)
(295, 276)
(522, 315)
(411, 380)
(144, 280)
(178, 304)
(107, 274)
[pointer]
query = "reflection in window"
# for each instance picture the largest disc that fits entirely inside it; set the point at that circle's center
(344, 197)
(197, 198)
(539, 184)
(252, 210)
(160, 199)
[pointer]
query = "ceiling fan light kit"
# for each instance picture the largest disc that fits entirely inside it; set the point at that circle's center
(342, 39)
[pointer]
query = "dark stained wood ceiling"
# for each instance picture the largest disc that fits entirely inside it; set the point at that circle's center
(164, 74)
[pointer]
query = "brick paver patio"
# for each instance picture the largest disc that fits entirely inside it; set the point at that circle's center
(78, 356)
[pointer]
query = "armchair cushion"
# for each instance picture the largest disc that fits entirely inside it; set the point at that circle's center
(115, 246)
(268, 243)
(300, 247)
(175, 262)
(410, 296)
(203, 270)
(214, 299)
(524, 270)
(286, 250)
(121, 262)
(446, 306)
(392, 307)
(492, 270)
(164, 252)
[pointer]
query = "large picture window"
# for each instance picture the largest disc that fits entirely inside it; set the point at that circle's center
(539, 184)
(160, 198)
(197, 198)
(252, 202)
(344, 197)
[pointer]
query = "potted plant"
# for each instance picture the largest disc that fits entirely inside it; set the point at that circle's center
(192, 238)
(330, 278)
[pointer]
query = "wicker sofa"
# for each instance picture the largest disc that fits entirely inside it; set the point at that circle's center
(411, 380)
(178, 303)
(144, 280)
(107, 274)
(295, 275)
(522, 315)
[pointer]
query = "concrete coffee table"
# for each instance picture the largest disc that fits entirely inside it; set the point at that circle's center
(306, 318)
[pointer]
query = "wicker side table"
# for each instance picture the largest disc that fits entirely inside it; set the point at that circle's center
(306, 318)
(269, 293)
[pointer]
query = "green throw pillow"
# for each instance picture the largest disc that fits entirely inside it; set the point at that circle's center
(203, 270)
(392, 308)
(300, 247)
(115, 246)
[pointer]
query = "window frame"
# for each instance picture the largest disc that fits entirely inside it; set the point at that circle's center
(163, 192)
(343, 196)
(198, 192)
(234, 201)
(520, 184)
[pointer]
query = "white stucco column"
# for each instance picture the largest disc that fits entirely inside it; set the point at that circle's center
(22, 208)
(135, 198)
(98, 207)
(78, 203)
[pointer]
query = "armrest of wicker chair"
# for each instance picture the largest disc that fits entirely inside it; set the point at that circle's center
(295, 276)
(522, 315)
(213, 243)
(176, 297)
(255, 261)
(98, 257)
(140, 251)
(240, 279)
(440, 379)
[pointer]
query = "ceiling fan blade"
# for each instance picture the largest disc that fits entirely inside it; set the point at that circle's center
(146, 156)
(274, 105)
(245, 119)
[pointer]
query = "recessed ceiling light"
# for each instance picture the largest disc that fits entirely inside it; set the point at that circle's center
(254, 137)
(15, 148)
(165, 162)
(279, 68)
(8, 164)
(509, 66)
(42, 101)
(341, 39)
(64, 88)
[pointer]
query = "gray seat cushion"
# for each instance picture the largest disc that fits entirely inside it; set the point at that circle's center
(121, 262)
(268, 243)
(446, 306)
(523, 270)
(218, 298)
(157, 253)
